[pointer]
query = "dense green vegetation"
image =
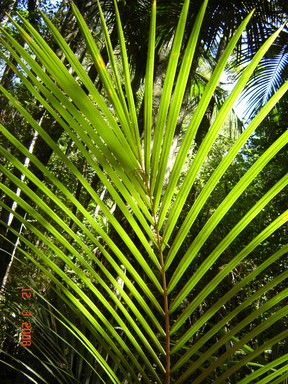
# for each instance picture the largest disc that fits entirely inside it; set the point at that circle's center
(149, 220)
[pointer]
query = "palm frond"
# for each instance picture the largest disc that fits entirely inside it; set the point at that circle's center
(268, 77)
(133, 288)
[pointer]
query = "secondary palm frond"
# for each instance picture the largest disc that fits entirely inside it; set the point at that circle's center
(133, 287)
(268, 77)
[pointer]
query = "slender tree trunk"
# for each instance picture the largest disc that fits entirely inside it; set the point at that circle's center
(6, 8)
(9, 238)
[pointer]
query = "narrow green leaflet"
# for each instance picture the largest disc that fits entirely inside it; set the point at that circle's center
(225, 206)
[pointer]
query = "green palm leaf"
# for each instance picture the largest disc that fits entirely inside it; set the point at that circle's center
(131, 297)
